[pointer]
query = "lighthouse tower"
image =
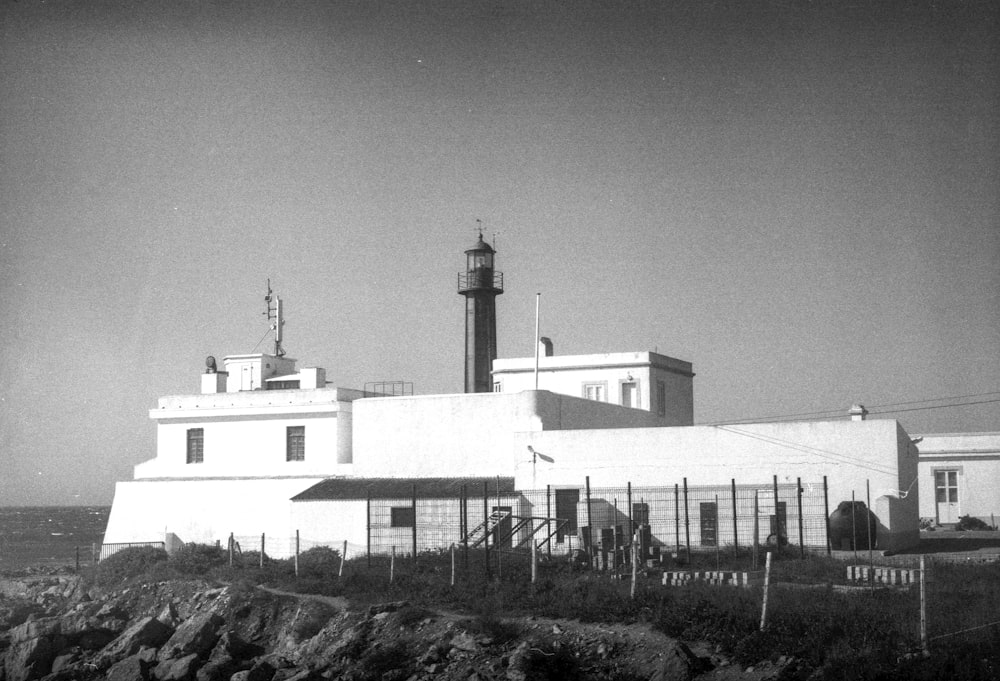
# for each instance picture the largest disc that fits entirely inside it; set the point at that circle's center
(480, 284)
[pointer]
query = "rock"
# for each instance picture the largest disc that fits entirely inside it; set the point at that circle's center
(169, 615)
(261, 671)
(218, 669)
(149, 631)
(177, 669)
(464, 642)
(129, 669)
(231, 646)
(679, 664)
(386, 607)
(33, 647)
(65, 659)
(197, 635)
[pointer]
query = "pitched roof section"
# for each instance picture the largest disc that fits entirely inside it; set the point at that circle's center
(402, 488)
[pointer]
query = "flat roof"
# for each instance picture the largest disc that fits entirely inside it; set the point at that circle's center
(402, 488)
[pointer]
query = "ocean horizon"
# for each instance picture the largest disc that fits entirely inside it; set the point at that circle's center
(50, 536)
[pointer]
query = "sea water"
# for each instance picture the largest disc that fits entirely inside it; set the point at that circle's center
(50, 535)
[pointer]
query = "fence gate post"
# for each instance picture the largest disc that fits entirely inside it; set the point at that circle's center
(296, 553)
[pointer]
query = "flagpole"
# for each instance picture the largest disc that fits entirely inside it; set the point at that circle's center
(538, 298)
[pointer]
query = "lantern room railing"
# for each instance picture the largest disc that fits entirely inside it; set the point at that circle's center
(485, 279)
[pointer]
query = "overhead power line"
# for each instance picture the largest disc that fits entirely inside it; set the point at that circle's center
(841, 413)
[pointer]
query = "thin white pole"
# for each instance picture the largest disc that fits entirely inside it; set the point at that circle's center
(538, 299)
(343, 557)
(767, 583)
(392, 564)
(453, 564)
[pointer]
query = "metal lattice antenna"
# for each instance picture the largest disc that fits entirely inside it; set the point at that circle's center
(479, 227)
(275, 313)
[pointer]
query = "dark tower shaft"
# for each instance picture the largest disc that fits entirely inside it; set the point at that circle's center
(480, 284)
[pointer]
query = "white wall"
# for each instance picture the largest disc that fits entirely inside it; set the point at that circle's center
(206, 511)
(468, 434)
(850, 454)
(976, 459)
(567, 375)
(245, 434)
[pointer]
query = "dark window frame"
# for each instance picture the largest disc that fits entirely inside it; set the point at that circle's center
(295, 443)
(402, 516)
(196, 445)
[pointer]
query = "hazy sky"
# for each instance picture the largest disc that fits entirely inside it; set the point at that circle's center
(799, 198)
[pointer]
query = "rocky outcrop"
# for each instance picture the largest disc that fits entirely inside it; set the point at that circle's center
(186, 631)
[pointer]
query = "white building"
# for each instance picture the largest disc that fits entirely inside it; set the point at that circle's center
(231, 459)
(637, 380)
(959, 476)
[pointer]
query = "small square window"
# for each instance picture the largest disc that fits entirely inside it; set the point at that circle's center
(402, 516)
(595, 391)
(295, 444)
(196, 445)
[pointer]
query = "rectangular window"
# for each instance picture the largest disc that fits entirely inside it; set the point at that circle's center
(946, 486)
(595, 391)
(630, 395)
(295, 443)
(497, 387)
(196, 445)
(661, 398)
(402, 516)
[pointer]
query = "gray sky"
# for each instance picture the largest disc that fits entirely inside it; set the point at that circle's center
(801, 200)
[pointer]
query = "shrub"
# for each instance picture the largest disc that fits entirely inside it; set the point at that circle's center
(967, 522)
(128, 563)
(319, 562)
(198, 559)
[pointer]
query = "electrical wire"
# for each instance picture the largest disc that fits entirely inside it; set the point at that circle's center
(839, 413)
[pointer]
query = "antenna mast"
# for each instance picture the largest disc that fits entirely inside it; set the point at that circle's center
(274, 313)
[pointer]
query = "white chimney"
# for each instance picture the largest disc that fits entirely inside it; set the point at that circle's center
(858, 412)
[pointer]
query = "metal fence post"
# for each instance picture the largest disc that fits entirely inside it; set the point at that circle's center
(826, 514)
(414, 524)
(296, 553)
(368, 526)
(590, 530)
(687, 523)
(798, 494)
(548, 519)
(631, 522)
(465, 521)
(777, 519)
(677, 520)
(736, 522)
(486, 526)
(262, 549)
